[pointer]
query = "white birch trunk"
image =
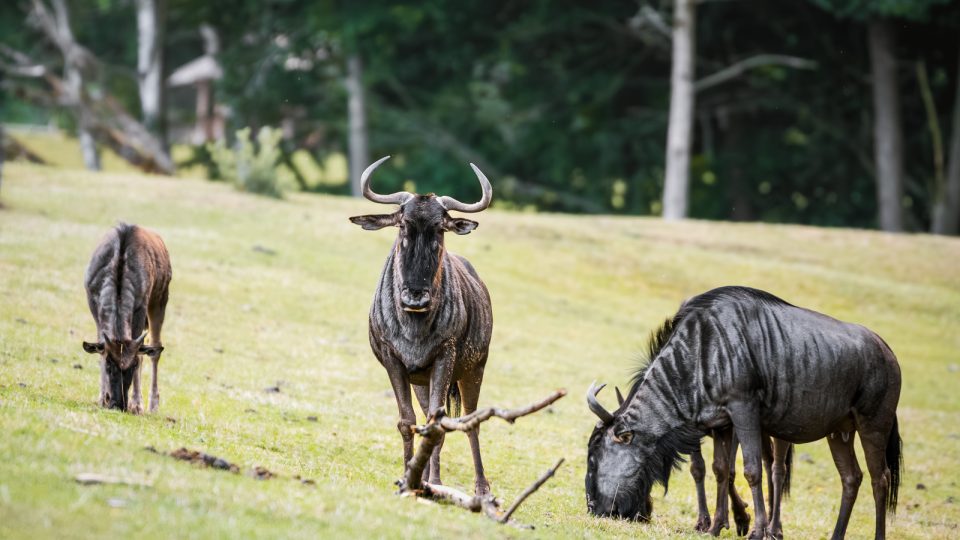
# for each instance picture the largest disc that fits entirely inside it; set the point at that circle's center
(887, 134)
(680, 129)
(356, 109)
(946, 209)
(150, 30)
(88, 146)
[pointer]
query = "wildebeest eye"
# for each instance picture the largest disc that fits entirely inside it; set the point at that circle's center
(624, 437)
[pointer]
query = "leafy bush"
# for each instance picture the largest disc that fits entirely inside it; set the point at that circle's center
(251, 166)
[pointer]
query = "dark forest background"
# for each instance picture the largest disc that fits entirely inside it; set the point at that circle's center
(565, 105)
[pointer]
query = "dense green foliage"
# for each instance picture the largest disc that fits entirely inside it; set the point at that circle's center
(563, 103)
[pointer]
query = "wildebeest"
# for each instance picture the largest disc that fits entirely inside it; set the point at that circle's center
(127, 284)
(742, 359)
(431, 318)
(724, 463)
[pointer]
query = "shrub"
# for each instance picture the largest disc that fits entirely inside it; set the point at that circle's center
(251, 166)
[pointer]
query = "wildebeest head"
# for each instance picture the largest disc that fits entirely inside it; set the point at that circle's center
(617, 482)
(625, 460)
(422, 220)
(121, 358)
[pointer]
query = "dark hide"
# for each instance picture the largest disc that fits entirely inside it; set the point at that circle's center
(743, 360)
(724, 463)
(431, 319)
(127, 285)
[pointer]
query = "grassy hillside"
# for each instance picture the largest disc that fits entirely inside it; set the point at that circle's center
(275, 293)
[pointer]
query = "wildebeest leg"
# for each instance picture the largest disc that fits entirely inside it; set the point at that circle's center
(155, 323)
(104, 383)
(470, 394)
(441, 376)
(135, 405)
(400, 382)
(778, 472)
(698, 471)
(767, 455)
(850, 476)
(722, 445)
(423, 397)
(874, 443)
(739, 506)
(154, 390)
(746, 421)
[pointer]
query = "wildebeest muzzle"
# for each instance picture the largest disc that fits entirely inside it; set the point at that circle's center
(415, 300)
(119, 383)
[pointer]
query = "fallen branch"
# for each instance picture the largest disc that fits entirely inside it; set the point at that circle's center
(529, 491)
(89, 479)
(203, 459)
(432, 434)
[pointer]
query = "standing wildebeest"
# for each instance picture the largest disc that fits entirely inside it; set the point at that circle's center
(431, 320)
(742, 359)
(127, 284)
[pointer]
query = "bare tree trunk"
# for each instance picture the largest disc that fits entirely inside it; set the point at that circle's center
(3, 151)
(887, 134)
(151, 19)
(75, 59)
(946, 210)
(359, 149)
(74, 90)
(680, 129)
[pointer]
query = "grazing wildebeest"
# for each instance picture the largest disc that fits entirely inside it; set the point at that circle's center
(724, 462)
(431, 319)
(744, 360)
(127, 285)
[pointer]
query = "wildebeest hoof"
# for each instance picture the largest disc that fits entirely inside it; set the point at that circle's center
(703, 524)
(135, 408)
(717, 527)
(743, 526)
(761, 534)
(481, 489)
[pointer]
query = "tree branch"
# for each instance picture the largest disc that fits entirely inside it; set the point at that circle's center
(529, 491)
(933, 125)
(432, 433)
(739, 68)
(472, 420)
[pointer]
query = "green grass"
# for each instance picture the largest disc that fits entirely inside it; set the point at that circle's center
(574, 299)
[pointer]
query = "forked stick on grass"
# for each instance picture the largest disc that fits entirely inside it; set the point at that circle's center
(432, 433)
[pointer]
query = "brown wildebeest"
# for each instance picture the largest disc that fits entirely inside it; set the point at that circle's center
(431, 319)
(127, 286)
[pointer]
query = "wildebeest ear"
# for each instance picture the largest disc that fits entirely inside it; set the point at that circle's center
(150, 350)
(459, 225)
(92, 347)
(375, 222)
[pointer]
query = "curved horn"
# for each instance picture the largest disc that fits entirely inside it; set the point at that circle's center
(619, 396)
(595, 405)
(399, 197)
(137, 342)
(452, 204)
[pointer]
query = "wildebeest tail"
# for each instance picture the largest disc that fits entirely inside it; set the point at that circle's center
(788, 462)
(895, 462)
(453, 400)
